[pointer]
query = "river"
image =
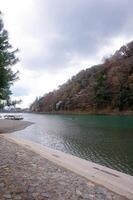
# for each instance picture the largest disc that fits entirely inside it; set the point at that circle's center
(107, 140)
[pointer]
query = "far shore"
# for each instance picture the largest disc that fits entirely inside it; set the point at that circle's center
(8, 126)
(76, 112)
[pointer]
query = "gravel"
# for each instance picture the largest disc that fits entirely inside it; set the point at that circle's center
(25, 175)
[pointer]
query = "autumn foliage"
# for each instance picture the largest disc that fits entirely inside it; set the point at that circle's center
(105, 86)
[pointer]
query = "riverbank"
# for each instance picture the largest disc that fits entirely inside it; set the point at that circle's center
(98, 112)
(27, 175)
(31, 171)
(8, 126)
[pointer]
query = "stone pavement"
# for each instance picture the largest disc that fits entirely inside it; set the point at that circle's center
(25, 175)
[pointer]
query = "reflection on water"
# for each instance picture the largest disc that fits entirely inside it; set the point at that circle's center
(107, 140)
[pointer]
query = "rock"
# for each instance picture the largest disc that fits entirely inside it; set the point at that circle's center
(2, 185)
(8, 196)
(79, 193)
(101, 190)
(90, 184)
(44, 194)
(17, 197)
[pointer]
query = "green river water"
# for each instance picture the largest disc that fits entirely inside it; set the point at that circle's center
(107, 140)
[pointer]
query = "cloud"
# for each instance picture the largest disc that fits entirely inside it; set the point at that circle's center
(65, 29)
(51, 32)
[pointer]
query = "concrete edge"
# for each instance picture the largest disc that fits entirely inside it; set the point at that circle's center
(113, 180)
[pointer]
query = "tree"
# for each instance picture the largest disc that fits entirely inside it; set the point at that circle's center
(102, 93)
(7, 60)
(13, 103)
(124, 94)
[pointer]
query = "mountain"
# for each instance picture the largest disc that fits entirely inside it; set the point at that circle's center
(105, 87)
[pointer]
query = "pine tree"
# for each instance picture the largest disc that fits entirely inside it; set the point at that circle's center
(7, 60)
(102, 93)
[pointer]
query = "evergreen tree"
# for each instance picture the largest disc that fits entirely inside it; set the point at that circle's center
(102, 93)
(7, 59)
(124, 94)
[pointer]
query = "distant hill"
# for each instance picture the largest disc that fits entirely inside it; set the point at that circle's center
(106, 87)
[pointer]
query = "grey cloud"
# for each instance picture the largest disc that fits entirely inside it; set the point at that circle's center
(82, 27)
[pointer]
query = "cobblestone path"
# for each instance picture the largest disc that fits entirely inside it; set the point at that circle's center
(25, 175)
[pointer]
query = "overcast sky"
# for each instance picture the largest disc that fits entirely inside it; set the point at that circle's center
(58, 38)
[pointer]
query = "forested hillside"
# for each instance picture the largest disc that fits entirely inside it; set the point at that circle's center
(108, 86)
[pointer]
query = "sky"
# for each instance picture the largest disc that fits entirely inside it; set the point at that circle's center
(58, 38)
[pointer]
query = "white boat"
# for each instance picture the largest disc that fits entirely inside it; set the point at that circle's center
(13, 117)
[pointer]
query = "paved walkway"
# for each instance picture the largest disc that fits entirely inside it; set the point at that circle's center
(25, 175)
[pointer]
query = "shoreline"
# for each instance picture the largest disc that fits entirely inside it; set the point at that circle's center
(8, 126)
(113, 180)
(106, 113)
